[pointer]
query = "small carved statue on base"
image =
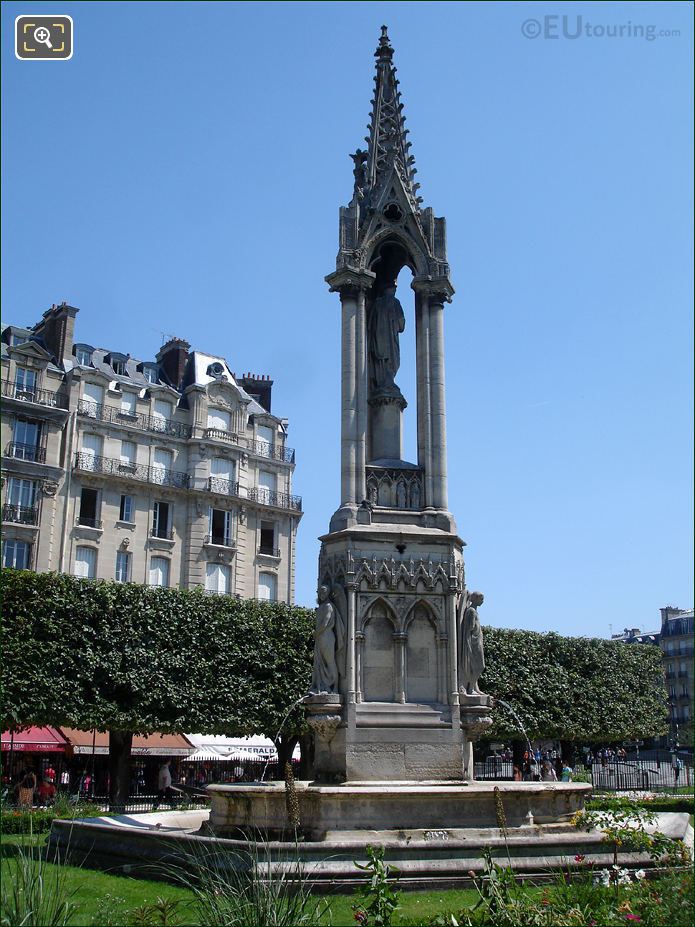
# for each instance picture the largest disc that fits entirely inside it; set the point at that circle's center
(329, 640)
(470, 635)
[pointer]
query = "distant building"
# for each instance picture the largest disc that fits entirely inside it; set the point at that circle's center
(676, 639)
(169, 471)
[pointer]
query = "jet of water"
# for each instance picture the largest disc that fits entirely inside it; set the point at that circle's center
(518, 721)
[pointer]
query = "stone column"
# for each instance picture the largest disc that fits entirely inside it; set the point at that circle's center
(361, 387)
(352, 284)
(422, 355)
(359, 652)
(348, 397)
(438, 401)
(400, 639)
(351, 644)
(452, 649)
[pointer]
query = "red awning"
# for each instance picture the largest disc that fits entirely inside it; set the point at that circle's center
(35, 740)
(143, 744)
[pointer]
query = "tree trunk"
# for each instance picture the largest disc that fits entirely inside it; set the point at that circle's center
(120, 743)
(567, 751)
(518, 749)
(285, 747)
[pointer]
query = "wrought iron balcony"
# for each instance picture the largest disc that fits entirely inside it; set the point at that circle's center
(164, 426)
(269, 551)
(280, 500)
(220, 540)
(21, 514)
(27, 452)
(272, 451)
(223, 487)
(41, 397)
(90, 463)
(219, 434)
(85, 521)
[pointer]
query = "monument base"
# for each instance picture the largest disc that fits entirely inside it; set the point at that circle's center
(360, 812)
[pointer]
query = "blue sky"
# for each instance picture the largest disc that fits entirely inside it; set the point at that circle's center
(183, 172)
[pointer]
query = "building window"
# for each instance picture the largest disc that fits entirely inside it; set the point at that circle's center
(161, 520)
(92, 398)
(118, 365)
(266, 439)
(86, 562)
(24, 383)
(159, 571)
(126, 509)
(128, 454)
(89, 508)
(16, 340)
(16, 554)
(26, 440)
(219, 420)
(267, 539)
(90, 450)
(20, 501)
(161, 414)
(123, 561)
(161, 465)
(83, 356)
(150, 373)
(686, 712)
(222, 474)
(268, 587)
(128, 403)
(220, 527)
(218, 578)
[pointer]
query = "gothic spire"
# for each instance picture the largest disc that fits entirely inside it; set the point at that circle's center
(387, 139)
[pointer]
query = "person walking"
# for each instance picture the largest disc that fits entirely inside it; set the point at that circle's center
(548, 774)
(676, 765)
(26, 788)
(566, 772)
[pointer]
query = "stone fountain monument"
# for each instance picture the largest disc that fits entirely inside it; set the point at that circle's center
(394, 701)
(398, 640)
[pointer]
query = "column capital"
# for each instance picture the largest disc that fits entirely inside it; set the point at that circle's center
(438, 289)
(350, 278)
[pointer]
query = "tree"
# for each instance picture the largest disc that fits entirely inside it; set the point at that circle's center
(574, 688)
(131, 659)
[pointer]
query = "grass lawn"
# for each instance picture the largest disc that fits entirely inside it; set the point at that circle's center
(105, 899)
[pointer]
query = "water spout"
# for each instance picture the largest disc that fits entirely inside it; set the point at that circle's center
(518, 721)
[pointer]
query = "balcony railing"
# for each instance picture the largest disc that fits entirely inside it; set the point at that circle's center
(280, 500)
(42, 397)
(164, 426)
(85, 521)
(220, 540)
(163, 534)
(27, 452)
(111, 467)
(219, 434)
(269, 551)
(21, 514)
(272, 451)
(223, 487)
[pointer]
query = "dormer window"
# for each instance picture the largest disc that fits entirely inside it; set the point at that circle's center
(149, 372)
(118, 363)
(83, 355)
(16, 340)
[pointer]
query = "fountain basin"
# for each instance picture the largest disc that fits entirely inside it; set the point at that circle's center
(351, 811)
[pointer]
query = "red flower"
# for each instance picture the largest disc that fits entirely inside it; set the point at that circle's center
(360, 917)
(632, 917)
(579, 858)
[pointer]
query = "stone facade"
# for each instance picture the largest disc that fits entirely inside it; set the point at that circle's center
(172, 471)
(396, 623)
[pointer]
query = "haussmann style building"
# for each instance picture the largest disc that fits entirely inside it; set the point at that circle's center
(171, 471)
